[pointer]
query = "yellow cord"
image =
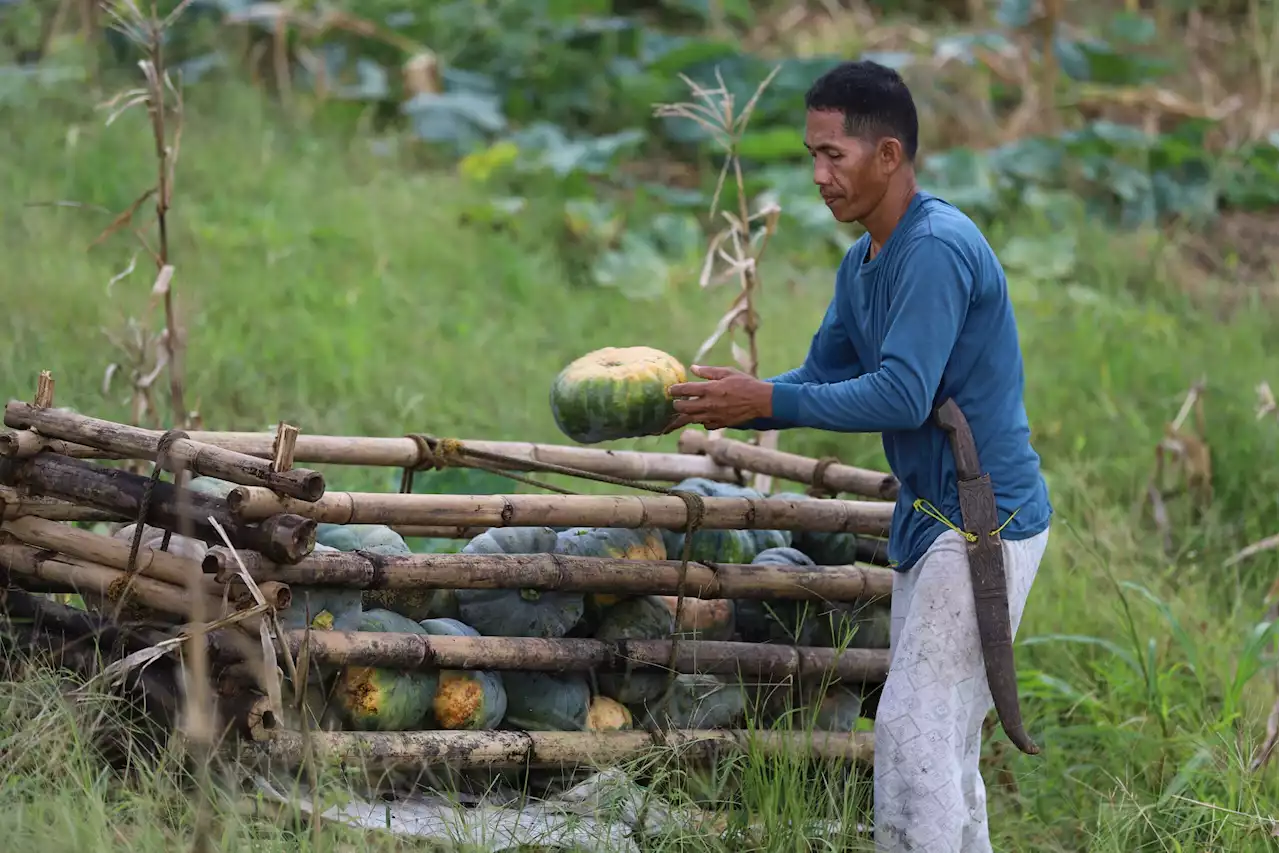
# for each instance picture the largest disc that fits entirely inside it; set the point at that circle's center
(930, 510)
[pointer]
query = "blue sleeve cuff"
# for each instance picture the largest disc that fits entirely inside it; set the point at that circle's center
(786, 402)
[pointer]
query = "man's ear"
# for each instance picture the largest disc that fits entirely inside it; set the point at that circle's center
(889, 154)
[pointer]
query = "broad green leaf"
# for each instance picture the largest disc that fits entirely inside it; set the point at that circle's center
(635, 268)
(462, 119)
(1015, 14)
(677, 236)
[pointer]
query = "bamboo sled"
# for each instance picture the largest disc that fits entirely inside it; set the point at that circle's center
(838, 516)
(183, 453)
(284, 537)
(560, 573)
(754, 661)
(510, 749)
(836, 478)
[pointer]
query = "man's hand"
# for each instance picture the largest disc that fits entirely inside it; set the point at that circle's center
(729, 397)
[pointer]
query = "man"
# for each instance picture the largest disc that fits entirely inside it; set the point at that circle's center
(921, 313)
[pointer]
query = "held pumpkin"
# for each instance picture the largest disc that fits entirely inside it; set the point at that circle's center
(615, 392)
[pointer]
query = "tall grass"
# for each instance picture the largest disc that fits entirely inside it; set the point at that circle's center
(330, 286)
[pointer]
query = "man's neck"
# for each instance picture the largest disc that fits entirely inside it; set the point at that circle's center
(888, 213)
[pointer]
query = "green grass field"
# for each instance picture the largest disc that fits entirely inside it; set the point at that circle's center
(338, 291)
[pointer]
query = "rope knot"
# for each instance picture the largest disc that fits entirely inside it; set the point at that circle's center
(817, 489)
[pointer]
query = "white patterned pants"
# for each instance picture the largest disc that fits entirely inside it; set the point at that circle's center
(929, 795)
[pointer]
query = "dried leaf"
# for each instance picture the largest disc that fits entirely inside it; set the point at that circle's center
(741, 356)
(133, 262)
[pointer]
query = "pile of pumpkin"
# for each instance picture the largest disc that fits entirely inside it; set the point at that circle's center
(369, 698)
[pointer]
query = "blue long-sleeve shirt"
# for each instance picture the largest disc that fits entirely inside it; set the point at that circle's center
(928, 318)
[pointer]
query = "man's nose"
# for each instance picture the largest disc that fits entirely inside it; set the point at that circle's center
(821, 174)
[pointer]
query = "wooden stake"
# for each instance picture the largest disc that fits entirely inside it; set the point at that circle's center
(284, 538)
(790, 466)
(509, 749)
(282, 447)
(560, 573)
(206, 459)
(751, 661)
(868, 517)
(44, 390)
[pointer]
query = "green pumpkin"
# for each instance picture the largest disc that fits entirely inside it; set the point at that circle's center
(379, 539)
(416, 604)
(697, 701)
(715, 546)
(546, 702)
(376, 699)
(340, 537)
(522, 612)
(615, 392)
(839, 710)
(645, 617)
(862, 624)
(325, 604)
(824, 548)
(211, 486)
(779, 620)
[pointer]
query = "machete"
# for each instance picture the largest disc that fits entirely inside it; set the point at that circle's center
(986, 568)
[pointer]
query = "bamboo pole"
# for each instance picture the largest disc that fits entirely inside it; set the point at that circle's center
(182, 453)
(510, 749)
(14, 504)
(790, 466)
(868, 517)
(285, 538)
(404, 453)
(754, 661)
(437, 532)
(23, 444)
(388, 452)
(560, 573)
(101, 581)
(104, 550)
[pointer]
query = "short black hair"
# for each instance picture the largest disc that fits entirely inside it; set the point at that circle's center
(874, 100)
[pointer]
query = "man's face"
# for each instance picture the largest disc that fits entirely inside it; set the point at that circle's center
(850, 173)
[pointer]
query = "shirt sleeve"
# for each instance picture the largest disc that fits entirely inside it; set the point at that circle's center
(926, 313)
(831, 354)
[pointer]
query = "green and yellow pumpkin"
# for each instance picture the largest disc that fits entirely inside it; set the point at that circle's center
(375, 699)
(618, 543)
(465, 699)
(615, 392)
